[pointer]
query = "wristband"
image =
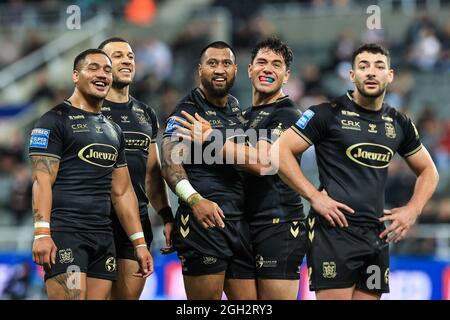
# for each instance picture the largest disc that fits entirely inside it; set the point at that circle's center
(184, 190)
(138, 239)
(41, 228)
(41, 236)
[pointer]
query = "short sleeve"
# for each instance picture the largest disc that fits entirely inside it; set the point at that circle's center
(281, 120)
(172, 121)
(121, 158)
(47, 136)
(154, 123)
(311, 125)
(411, 140)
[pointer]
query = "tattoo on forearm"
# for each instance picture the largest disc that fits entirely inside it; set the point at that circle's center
(63, 280)
(44, 164)
(37, 216)
(172, 173)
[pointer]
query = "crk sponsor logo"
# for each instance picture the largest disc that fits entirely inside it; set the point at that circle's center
(80, 127)
(351, 125)
(102, 155)
(370, 155)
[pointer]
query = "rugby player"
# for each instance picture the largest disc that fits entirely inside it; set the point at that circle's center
(211, 237)
(79, 169)
(355, 138)
(140, 128)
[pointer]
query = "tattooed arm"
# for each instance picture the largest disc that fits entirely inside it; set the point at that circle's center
(207, 213)
(44, 172)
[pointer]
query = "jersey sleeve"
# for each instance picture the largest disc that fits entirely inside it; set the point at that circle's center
(172, 121)
(154, 122)
(411, 140)
(47, 136)
(311, 125)
(280, 121)
(121, 158)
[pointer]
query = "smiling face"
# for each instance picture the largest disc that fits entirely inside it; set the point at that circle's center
(371, 74)
(217, 71)
(123, 63)
(268, 72)
(94, 76)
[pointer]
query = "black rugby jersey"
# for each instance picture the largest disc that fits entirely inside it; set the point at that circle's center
(354, 147)
(215, 181)
(140, 128)
(89, 147)
(267, 198)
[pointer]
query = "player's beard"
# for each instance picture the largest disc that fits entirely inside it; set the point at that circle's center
(217, 92)
(364, 93)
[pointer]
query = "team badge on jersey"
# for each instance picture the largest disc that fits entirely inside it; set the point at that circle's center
(390, 130)
(304, 119)
(39, 138)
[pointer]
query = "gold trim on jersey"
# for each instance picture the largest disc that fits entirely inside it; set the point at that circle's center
(301, 135)
(413, 152)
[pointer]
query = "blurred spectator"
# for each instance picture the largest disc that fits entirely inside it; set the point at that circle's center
(32, 43)
(399, 90)
(153, 57)
(445, 52)
(20, 194)
(425, 51)
(10, 51)
(252, 31)
(430, 129)
(342, 51)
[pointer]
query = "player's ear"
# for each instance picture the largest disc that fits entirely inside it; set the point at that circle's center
(75, 76)
(249, 70)
(390, 75)
(199, 69)
(352, 75)
(287, 75)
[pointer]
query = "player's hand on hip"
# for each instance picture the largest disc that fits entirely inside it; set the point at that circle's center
(208, 213)
(330, 209)
(44, 252)
(169, 228)
(145, 261)
(195, 129)
(402, 219)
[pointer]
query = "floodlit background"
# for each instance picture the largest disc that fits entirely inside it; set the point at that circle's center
(39, 40)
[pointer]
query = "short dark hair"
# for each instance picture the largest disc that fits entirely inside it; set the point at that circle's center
(109, 40)
(372, 48)
(217, 45)
(81, 56)
(277, 46)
